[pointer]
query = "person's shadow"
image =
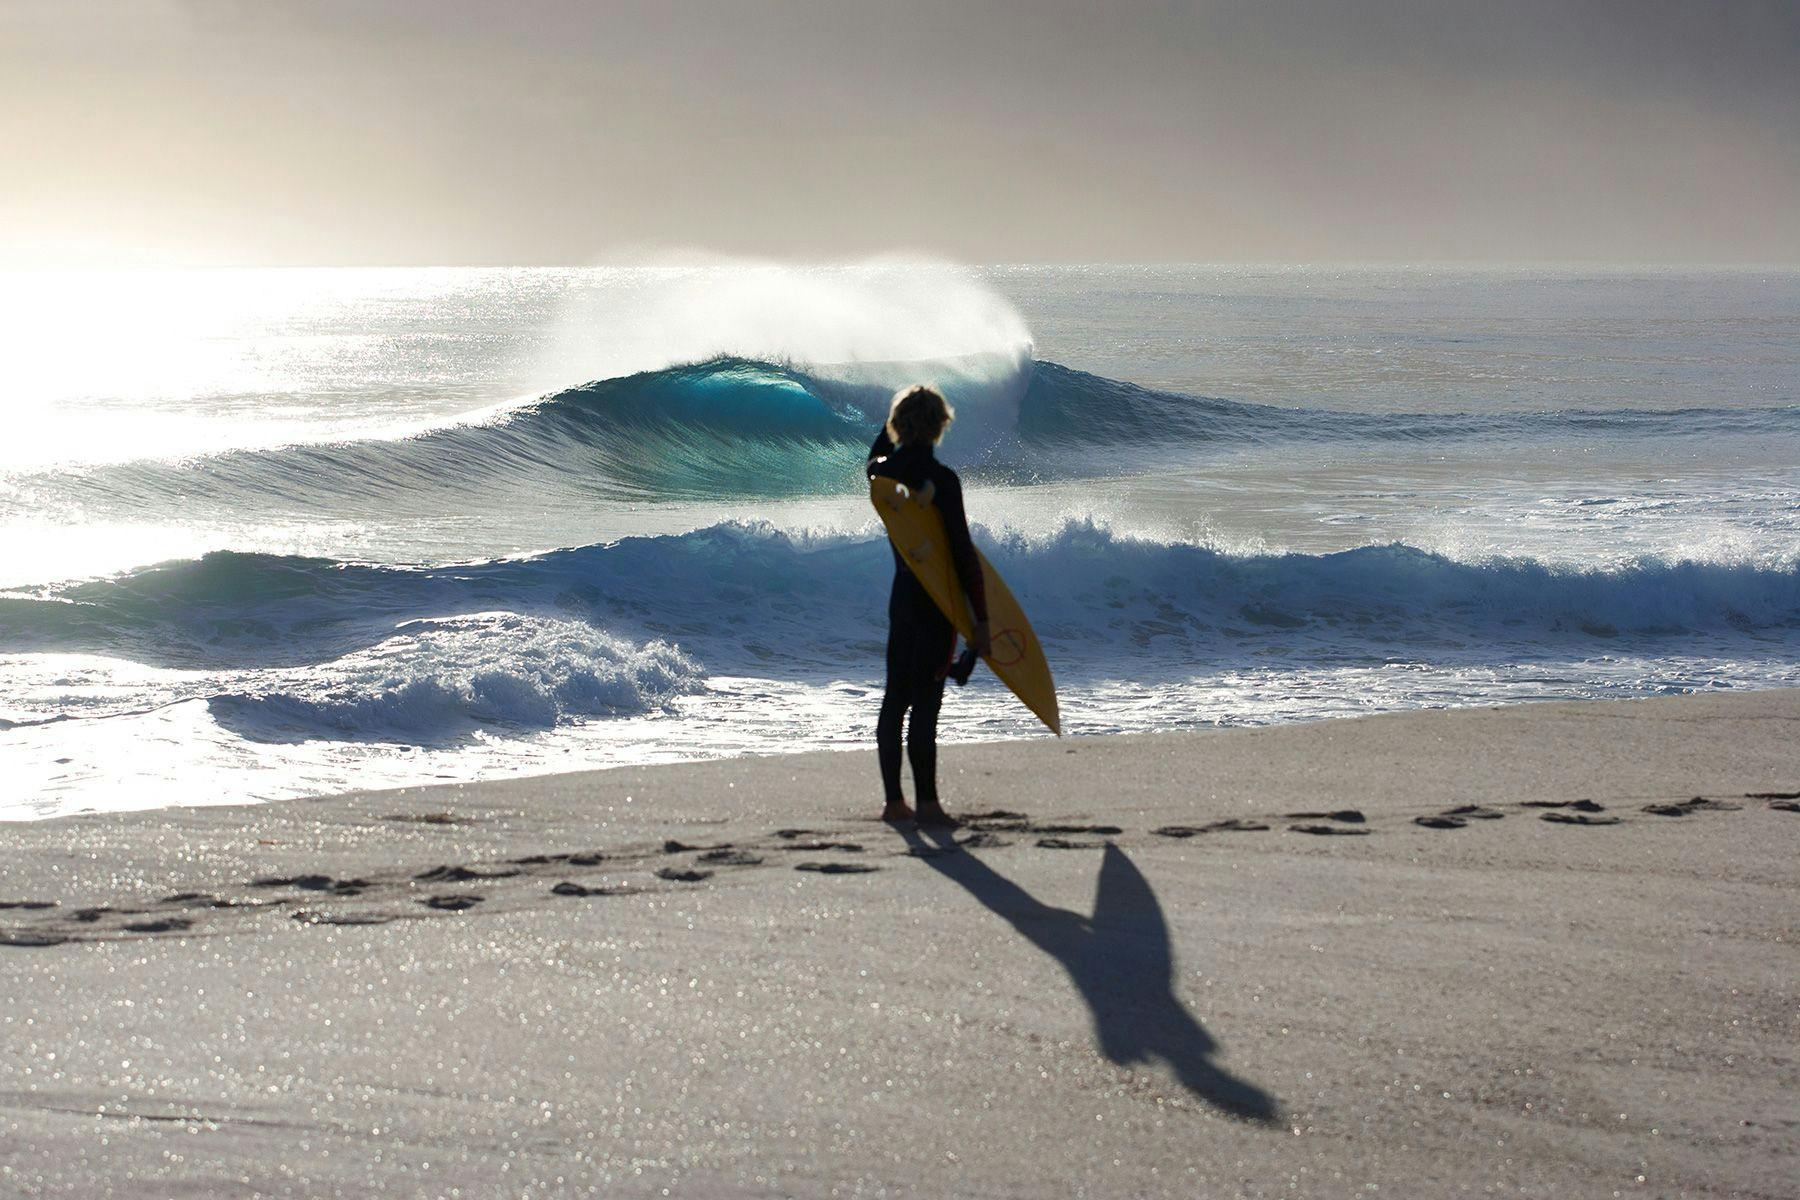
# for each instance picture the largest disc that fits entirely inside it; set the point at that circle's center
(1119, 960)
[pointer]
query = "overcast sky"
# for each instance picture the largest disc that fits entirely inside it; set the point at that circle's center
(529, 131)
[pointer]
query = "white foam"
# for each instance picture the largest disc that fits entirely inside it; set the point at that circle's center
(438, 678)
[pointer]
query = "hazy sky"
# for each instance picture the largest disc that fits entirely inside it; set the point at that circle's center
(529, 131)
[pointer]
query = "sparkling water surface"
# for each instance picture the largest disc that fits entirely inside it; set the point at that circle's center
(273, 533)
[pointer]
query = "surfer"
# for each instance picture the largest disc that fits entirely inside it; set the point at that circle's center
(921, 639)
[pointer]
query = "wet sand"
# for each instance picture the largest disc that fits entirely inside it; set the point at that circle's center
(1546, 950)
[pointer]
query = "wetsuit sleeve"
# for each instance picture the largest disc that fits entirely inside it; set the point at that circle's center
(884, 446)
(962, 550)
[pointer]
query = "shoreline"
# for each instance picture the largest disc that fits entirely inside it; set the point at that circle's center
(725, 978)
(1034, 733)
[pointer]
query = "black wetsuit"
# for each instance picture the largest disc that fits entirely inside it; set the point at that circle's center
(920, 638)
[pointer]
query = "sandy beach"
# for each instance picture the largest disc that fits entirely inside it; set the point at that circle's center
(480, 482)
(1245, 963)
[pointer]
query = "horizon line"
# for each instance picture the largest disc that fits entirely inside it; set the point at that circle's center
(904, 260)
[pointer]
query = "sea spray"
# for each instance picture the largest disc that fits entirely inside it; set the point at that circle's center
(634, 319)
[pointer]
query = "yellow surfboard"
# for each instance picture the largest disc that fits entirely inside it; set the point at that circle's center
(1015, 654)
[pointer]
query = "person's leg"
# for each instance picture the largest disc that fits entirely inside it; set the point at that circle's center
(893, 710)
(935, 643)
(921, 743)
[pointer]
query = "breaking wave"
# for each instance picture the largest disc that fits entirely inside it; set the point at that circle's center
(442, 679)
(754, 598)
(735, 427)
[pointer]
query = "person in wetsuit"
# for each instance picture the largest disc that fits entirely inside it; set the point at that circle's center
(921, 639)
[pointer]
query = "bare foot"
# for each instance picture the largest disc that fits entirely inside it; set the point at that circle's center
(897, 811)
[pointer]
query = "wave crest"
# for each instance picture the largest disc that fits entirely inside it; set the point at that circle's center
(732, 428)
(757, 600)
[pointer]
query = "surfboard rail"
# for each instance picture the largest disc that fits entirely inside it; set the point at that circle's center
(1015, 654)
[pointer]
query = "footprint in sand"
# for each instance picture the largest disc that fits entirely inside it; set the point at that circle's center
(456, 875)
(452, 903)
(1586, 806)
(981, 839)
(585, 858)
(314, 883)
(1348, 815)
(309, 917)
(1785, 805)
(725, 856)
(1104, 830)
(90, 915)
(1772, 796)
(1228, 825)
(1460, 816)
(1688, 807)
(850, 846)
(1563, 818)
(677, 875)
(566, 888)
(18, 937)
(1059, 843)
(836, 868)
(311, 883)
(1329, 830)
(164, 925)
(27, 904)
(433, 818)
(199, 900)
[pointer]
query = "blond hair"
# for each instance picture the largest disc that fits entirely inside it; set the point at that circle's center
(918, 416)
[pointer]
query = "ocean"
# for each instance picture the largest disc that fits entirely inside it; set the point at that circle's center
(274, 533)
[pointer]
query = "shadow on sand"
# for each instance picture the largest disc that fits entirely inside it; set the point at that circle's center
(1120, 961)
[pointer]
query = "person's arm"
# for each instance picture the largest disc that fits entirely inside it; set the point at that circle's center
(962, 552)
(884, 446)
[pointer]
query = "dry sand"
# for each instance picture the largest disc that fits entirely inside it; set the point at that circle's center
(517, 988)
